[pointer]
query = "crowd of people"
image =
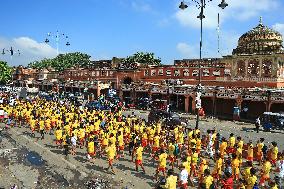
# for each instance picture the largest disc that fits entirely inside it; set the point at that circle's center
(237, 163)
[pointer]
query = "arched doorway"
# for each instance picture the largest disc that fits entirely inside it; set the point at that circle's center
(190, 108)
(277, 107)
(207, 105)
(224, 107)
(255, 108)
(127, 80)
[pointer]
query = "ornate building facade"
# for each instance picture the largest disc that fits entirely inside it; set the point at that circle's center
(253, 77)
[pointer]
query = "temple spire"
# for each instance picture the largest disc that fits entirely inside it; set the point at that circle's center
(260, 20)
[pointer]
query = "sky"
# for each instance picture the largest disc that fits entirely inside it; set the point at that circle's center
(119, 28)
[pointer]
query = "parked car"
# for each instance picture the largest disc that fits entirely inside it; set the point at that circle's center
(96, 105)
(159, 104)
(143, 103)
(170, 120)
(275, 119)
(129, 102)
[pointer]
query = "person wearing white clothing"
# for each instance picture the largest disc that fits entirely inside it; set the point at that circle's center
(210, 145)
(73, 142)
(183, 178)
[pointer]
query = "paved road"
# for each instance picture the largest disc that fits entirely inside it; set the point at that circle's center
(74, 171)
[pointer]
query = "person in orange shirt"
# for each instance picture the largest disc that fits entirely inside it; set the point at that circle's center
(144, 139)
(202, 167)
(250, 152)
(138, 152)
(162, 164)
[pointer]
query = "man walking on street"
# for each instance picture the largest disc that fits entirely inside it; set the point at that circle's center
(257, 124)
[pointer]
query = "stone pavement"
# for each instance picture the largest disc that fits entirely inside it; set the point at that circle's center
(76, 168)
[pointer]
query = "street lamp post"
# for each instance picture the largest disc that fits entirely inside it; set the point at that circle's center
(57, 37)
(200, 4)
(11, 51)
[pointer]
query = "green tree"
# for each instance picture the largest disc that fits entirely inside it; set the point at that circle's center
(63, 61)
(143, 58)
(5, 72)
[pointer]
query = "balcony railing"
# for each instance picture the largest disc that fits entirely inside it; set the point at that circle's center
(255, 79)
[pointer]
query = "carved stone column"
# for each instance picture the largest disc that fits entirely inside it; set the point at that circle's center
(98, 89)
(186, 103)
(246, 68)
(193, 105)
(239, 101)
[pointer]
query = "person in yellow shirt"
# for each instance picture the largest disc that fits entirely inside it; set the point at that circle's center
(208, 180)
(151, 135)
(162, 164)
(156, 145)
(41, 128)
(217, 171)
(246, 172)
(259, 153)
(239, 154)
(138, 152)
(241, 184)
(252, 179)
(48, 126)
(186, 161)
(81, 136)
(265, 172)
(97, 126)
(171, 149)
(198, 144)
(112, 139)
(104, 142)
(273, 185)
(273, 153)
(32, 125)
(111, 153)
(180, 138)
(240, 142)
(194, 161)
(58, 136)
(236, 167)
(91, 149)
(223, 148)
(120, 147)
(192, 142)
(232, 141)
(202, 167)
(171, 181)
